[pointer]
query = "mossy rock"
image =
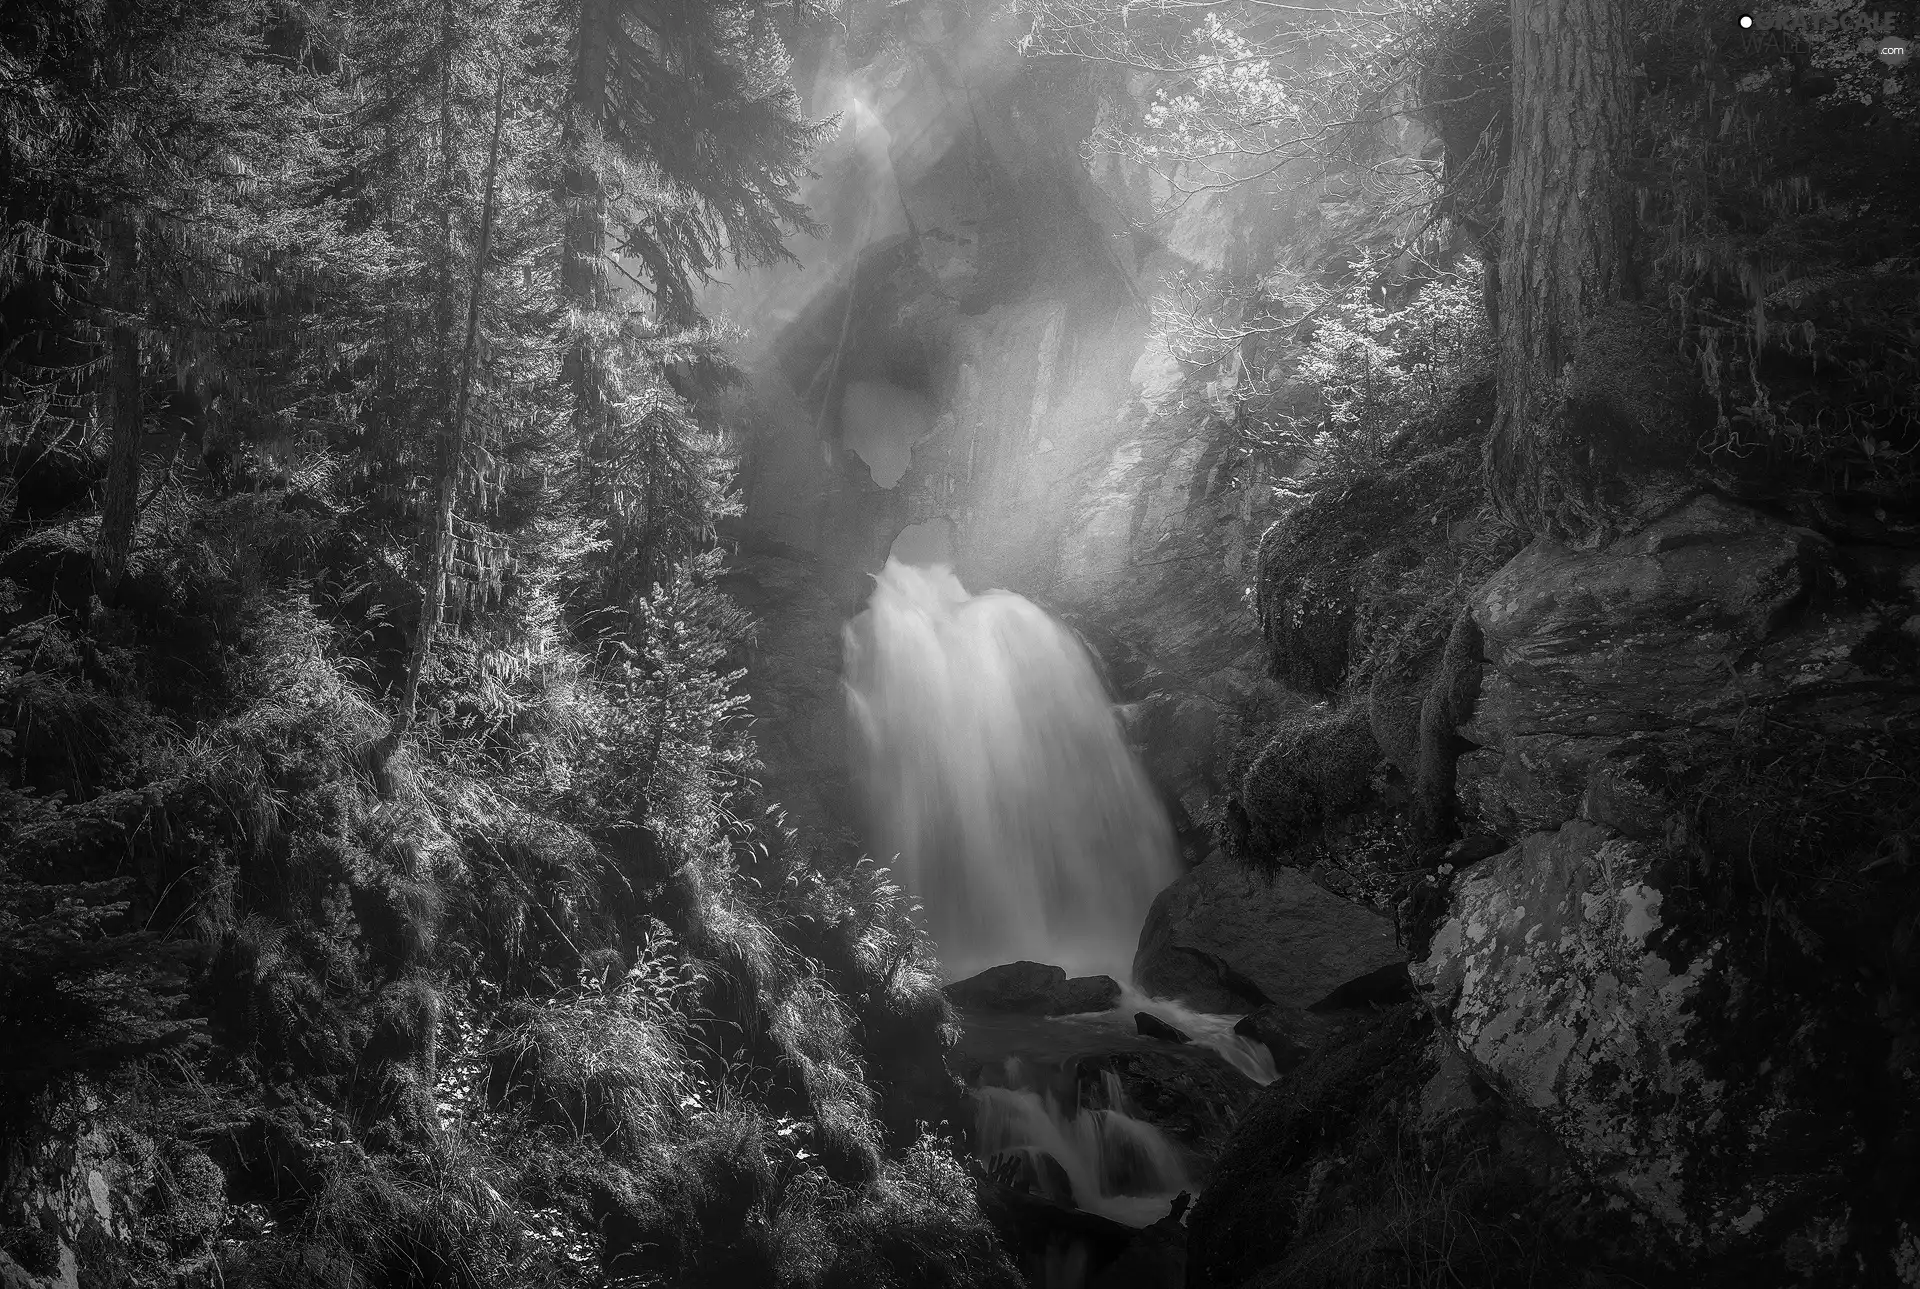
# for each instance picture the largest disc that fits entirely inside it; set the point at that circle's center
(1309, 774)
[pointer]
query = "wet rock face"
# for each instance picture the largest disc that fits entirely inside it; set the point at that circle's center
(1683, 625)
(1553, 973)
(1225, 939)
(1186, 1092)
(1729, 1106)
(1650, 968)
(1380, 1160)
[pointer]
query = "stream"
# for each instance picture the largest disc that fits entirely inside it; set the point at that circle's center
(994, 771)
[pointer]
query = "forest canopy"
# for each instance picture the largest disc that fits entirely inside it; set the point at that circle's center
(382, 842)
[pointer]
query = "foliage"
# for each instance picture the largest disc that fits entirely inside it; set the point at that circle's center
(604, 1060)
(1331, 375)
(531, 986)
(80, 984)
(1369, 316)
(1251, 93)
(919, 1225)
(1780, 240)
(1800, 820)
(1332, 570)
(1376, 368)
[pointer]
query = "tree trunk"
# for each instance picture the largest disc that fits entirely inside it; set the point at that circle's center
(582, 280)
(120, 505)
(443, 294)
(1561, 252)
(438, 559)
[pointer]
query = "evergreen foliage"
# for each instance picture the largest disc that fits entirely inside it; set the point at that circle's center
(377, 824)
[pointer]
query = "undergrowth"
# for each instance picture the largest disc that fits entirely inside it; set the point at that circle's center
(1780, 238)
(550, 995)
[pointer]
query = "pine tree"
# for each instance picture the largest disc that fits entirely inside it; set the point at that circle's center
(451, 448)
(1562, 248)
(683, 149)
(153, 150)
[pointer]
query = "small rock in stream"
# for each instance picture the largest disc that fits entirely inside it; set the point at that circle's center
(1151, 1026)
(1278, 1028)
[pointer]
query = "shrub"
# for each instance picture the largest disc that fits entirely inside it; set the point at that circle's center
(918, 1226)
(601, 1062)
(190, 1198)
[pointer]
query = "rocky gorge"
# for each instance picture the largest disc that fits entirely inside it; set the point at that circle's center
(1560, 779)
(1108, 644)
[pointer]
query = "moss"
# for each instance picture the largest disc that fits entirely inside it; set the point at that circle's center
(189, 1198)
(1310, 773)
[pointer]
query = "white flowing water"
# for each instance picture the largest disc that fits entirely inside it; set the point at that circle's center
(995, 773)
(1109, 1162)
(1206, 1029)
(994, 768)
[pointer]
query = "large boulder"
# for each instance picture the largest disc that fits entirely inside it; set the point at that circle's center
(1034, 989)
(1378, 1161)
(1151, 1026)
(1224, 939)
(1561, 981)
(1592, 656)
(1697, 962)
(1385, 986)
(1312, 771)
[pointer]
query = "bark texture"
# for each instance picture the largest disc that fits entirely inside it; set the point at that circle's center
(1561, 254)
(119, 506)
(581, 274)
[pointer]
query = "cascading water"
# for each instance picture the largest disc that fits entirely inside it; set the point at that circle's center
(1093, 1154)
(995, 769)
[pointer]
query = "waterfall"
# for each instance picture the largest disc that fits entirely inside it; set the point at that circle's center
(1088, 1152)
(994, 768)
